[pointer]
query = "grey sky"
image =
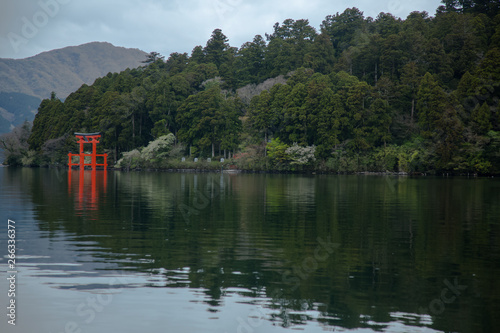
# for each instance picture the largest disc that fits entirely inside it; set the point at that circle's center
(28, 27)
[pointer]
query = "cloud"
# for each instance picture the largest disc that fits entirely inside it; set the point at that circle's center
(165, 26)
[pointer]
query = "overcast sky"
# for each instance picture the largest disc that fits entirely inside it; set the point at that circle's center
(29, 27)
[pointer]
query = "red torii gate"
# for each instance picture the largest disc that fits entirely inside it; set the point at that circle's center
(84, 138)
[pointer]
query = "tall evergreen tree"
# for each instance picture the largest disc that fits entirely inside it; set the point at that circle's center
(216, 50)
(431, 103)
(343, 27)
(481, 119)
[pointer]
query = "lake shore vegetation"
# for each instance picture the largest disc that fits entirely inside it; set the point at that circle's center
(384, 94)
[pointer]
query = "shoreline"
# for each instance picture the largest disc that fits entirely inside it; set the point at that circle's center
(307, 172)
(283, 172)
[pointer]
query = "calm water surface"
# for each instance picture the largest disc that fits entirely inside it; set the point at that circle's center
(167, 252)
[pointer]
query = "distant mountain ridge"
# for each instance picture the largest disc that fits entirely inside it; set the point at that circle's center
(65, 70)
(62, 71)
(15, 108)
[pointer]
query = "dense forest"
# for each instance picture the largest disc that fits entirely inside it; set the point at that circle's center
(419, 94)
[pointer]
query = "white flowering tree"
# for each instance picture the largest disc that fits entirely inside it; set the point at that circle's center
(129, 159)
(156, 149)
(159, 147)
(301, 155)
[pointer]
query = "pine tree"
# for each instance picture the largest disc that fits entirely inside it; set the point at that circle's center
(215, 51)
(431, 102)
(481, 119)
(261, 117)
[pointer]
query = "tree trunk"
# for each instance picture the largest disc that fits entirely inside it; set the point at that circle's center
(412, 108)
(116, 145)
(265, 137)
(213, 150)
(133, 130)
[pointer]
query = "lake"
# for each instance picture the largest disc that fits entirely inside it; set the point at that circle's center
(184, 252)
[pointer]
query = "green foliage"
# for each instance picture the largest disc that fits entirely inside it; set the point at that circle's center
(489, 7)
(358, 90)
(431, 101)
(160, 128)
(276, 151)
(252, 158)
(30, 159)
(409, 158)
(249, 66)
(153, 57)
(288, 46)
(209, 119)
(216, 50)
(481, 119)
(342, 28)
(492, 150)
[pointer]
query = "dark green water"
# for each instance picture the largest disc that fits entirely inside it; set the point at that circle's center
(164, 252)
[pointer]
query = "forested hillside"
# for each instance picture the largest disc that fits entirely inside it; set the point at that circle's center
(419, 94)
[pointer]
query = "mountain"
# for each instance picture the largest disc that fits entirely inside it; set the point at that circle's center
(15, 108)
(25, 82)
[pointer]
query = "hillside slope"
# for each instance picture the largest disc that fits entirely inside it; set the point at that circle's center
(63, 71)
(15, 108)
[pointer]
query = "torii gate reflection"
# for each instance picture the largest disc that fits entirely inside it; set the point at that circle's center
(88, 196)
(88, 191)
